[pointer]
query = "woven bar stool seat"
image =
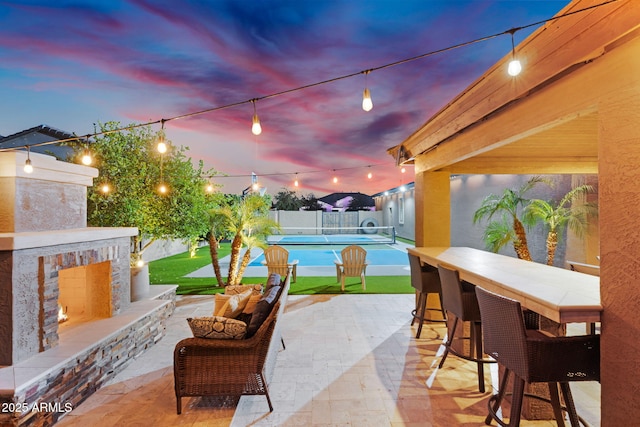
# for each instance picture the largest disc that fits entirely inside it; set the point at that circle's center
(534, 357)
(459, 299)
(425, 280)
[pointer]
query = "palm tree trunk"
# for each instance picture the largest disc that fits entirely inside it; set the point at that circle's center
(213, 251)
(243, 265)
(520, 245)
(552, 244)
(236, 246)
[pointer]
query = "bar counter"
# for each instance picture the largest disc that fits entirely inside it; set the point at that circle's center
(559, 294)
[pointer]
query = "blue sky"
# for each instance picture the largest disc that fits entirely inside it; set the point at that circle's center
(70, 64)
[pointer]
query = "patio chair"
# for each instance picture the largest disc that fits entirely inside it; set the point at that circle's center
(353, 264)
(459, 299)
(534, 357)
(276, 258)
(426, 280)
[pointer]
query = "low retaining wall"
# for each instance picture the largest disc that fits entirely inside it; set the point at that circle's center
(49, 395)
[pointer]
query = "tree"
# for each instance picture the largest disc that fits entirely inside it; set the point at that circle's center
(359, 202)
(510, 228)
(125, 192)
(310, 203)
(287, 200)
(563, 213)
(246, 223)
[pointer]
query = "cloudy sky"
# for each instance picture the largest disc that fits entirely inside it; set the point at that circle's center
(73, 64)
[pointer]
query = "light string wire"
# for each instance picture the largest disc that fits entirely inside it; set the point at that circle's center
(510, 31)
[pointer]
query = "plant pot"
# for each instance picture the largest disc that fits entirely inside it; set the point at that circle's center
(139, 282)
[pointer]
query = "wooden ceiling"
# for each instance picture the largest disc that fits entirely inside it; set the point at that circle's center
(572, 145)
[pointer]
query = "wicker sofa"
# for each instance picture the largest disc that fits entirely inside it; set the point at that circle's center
(231, 367)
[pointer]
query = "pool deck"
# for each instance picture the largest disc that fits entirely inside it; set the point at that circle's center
(329, 270)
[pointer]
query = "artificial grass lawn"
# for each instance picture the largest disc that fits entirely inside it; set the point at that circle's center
(171, 270)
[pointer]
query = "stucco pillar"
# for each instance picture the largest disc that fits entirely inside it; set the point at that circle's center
(433, 211)
(619, 204)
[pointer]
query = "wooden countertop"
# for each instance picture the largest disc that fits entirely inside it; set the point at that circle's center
(559, 294)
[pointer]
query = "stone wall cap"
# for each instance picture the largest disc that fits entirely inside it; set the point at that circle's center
(46, 168)
(27, 240)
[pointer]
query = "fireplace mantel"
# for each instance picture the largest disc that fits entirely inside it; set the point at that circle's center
(28, 240)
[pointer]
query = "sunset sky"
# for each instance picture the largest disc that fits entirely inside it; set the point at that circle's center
(73, 64)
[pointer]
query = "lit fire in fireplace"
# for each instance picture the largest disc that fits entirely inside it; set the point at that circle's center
(62, 315)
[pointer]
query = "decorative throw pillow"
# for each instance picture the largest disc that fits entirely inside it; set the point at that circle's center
(217, 328)
(240, 289)
(272, 280)
(262, 310)
(233, 305)
(251, 305)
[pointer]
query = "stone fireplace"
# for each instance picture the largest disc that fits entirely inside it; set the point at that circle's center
(49, 259)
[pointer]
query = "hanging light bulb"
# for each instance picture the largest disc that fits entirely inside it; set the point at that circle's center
(335, 179)
(514, 67)
(295, 182)
(403, 170)
(28, 167)
(367, 103)
(161, 145)
(369, 175)
(162, 188)
(105, 188)
(86, 154)
(209, 188)
(256, 129)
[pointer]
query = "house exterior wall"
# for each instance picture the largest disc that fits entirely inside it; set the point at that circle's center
(390, 208)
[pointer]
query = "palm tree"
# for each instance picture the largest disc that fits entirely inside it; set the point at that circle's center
(247, 224)
(565, 212)
(510, 229)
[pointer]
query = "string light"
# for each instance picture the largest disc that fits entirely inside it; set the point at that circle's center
(367, 103)
(28, 167)
(295, 182)
(105, 188)
(335, 178)
(209, 188)
(161, 145)
(369, 175)
(514, 67)
(162, 188)
(256, 128)
(86, 154)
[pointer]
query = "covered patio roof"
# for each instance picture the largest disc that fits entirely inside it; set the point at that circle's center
(541, 139)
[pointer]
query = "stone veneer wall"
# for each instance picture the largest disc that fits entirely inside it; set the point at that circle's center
(72, 383)
(49, 268)
(28, 285)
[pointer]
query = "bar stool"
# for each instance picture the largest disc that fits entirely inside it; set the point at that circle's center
(534, 357)
(459, 299)
(425, 279)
